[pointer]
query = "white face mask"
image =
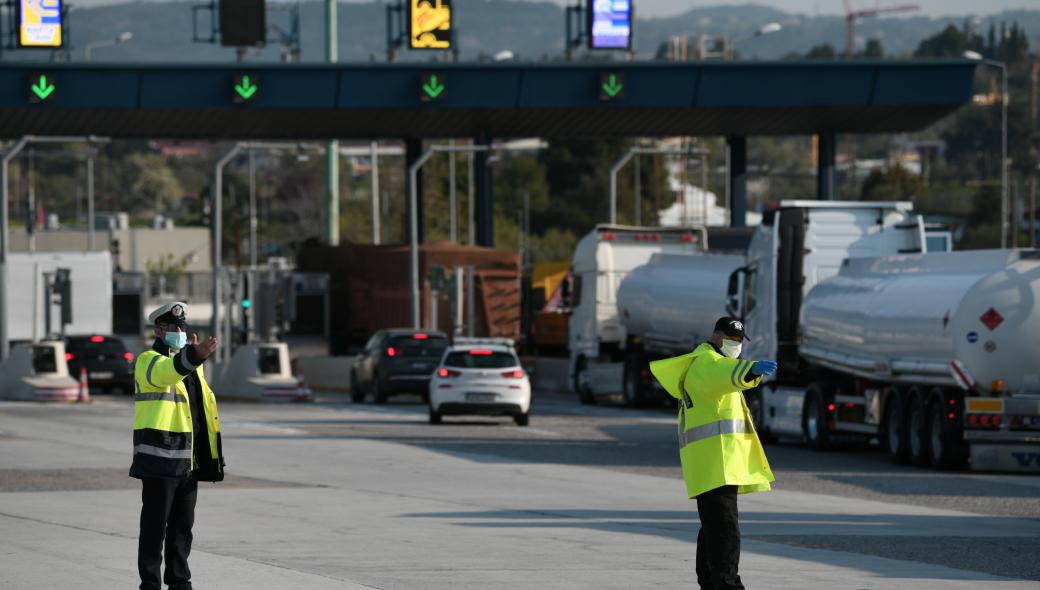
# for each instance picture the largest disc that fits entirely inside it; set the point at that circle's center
(731, 348)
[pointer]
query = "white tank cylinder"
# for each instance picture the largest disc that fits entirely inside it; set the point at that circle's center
(907, 318)
(675, 299)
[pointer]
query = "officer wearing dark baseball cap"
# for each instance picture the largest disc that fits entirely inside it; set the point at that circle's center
(732, 327)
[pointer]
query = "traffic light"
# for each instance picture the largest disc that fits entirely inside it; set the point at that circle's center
(63, 290)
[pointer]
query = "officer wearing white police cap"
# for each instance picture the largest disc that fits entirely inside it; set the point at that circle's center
(177, 443)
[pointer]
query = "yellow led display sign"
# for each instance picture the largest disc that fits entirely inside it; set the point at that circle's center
(39, 23)
(429, 24)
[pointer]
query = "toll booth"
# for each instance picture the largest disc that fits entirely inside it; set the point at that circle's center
(38, 372)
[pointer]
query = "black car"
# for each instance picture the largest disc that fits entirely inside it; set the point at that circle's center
(397, 361)
(109, 365)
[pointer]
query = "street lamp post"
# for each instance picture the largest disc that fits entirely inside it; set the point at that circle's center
(623, 160)
(975, 56)
(118, 40)
(5, 238)
(765, 29)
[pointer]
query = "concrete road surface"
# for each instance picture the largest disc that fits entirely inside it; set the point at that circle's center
(335, 495)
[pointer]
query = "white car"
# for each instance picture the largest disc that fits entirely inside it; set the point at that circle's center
(483, 377)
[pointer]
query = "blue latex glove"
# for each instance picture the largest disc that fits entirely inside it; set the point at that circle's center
(763, 368)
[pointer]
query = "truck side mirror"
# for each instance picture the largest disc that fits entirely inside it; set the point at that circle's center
(733, 293)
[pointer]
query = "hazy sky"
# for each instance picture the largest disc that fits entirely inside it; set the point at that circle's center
(650, 8)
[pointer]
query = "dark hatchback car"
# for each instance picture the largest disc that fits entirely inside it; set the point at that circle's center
(397, 361)
(110, 366)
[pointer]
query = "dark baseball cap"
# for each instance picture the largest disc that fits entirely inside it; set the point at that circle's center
(732, 327)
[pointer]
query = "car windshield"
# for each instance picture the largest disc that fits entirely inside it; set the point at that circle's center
(480, 359)
(419, 345)
(106, 347)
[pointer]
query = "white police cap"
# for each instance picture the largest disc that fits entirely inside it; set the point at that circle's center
(178, 312)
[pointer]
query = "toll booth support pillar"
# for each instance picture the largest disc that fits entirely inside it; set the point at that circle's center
(737, 181)
(484, 209)
(413, 149)
(826, 153)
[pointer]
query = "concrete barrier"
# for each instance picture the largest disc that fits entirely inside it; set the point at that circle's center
(326, 373)
(259, 372)
(38, 372)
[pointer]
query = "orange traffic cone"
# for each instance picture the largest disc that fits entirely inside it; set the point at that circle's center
(303, 393)
(84, 388)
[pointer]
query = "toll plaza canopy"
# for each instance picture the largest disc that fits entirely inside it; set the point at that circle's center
(413, 101)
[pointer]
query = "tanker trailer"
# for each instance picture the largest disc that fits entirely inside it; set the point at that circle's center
(667, 307)
(938, 355)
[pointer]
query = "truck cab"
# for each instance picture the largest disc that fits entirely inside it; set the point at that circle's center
(798, 245)
(601, 261)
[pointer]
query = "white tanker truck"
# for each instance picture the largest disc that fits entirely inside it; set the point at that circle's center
(935, 354)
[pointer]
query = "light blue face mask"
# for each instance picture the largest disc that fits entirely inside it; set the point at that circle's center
(176, 340)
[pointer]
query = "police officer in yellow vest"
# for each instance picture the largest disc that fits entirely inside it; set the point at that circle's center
(720, 453)
(176, 444)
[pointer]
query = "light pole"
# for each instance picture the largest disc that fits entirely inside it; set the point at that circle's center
(976, 56)
(118, 40)
(332, 148)
(623, 160)
(413, 225)
(5, 238)
(765, 29)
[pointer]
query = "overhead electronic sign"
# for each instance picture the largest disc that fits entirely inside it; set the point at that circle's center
(39, 23)
(429, 24)
(610, 24)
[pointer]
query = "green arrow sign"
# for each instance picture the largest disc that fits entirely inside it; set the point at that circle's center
(245, 88)
(41, 87)
(611, 86)
(432, 87)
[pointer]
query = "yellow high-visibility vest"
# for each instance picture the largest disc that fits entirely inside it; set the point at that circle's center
(163, 431)
(718, 445)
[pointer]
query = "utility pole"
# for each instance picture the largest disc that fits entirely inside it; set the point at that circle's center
(332, 149)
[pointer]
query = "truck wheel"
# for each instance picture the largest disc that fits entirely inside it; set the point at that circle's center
(815, 419)
(585, 395)
(945, 447)
(757, 409)
(356, 395)
(893, 435)
(633, 385)
(917, 430)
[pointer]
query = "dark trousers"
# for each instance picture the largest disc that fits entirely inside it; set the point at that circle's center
(718, 542)
(167, 511)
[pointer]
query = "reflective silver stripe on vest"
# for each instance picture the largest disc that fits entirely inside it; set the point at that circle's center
(164, 453)
(160, 397)
(184, 360)
(715, 429)
(148, 373)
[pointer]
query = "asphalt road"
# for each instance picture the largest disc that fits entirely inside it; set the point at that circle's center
(604, 437)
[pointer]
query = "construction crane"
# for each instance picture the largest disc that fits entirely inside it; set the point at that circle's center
(851, 16)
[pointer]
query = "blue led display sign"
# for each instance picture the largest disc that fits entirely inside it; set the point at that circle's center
(610, 24)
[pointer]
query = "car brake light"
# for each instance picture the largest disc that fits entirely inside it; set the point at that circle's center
(129, 356)
(391, 351)
(420, 336)
(442, 372)
(97, 338)
(515, 374)
(69, 356)
(480, 351)
(830, 407)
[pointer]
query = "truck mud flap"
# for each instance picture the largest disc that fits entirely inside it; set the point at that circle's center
(992, 457)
